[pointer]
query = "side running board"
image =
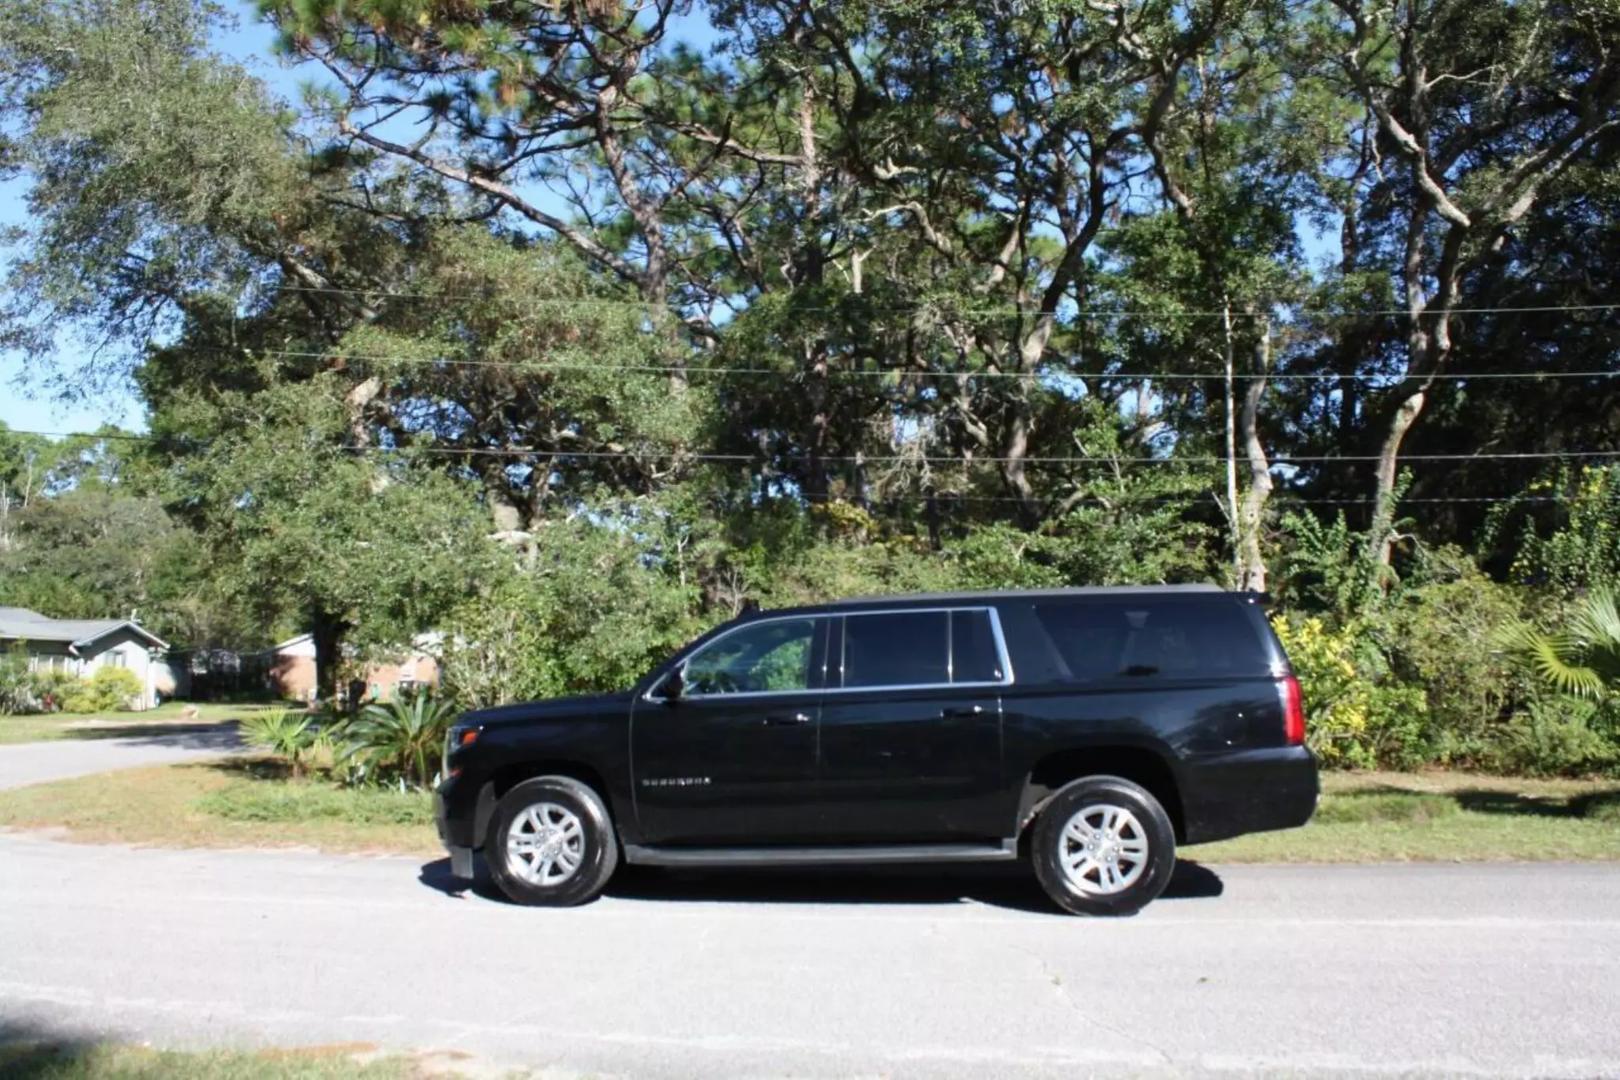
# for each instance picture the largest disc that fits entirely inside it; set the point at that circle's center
(808, 856)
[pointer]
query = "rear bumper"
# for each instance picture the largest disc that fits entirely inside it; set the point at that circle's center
(1251, 791)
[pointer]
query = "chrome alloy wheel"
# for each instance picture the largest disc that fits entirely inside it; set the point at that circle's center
(545, 844)
(1104, 850)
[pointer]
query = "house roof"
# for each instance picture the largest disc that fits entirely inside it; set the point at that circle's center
(21, 624)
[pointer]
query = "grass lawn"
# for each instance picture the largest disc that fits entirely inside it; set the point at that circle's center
(53, 1060)
(249, 802)
(1440, 816)
(237, 802)
(112, 725)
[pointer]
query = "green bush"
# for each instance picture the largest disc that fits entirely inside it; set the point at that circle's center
(1555, 735)
(401, 740)
(286, 734)
(1583, 551)
(1438, 634)
(53, 687)
(110, 689)
(16, 684)
(1357, 715)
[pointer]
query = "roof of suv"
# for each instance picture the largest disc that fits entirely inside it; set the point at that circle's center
(980, 596)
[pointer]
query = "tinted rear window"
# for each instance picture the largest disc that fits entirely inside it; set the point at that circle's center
(905, 648)
(973, 647)
(1147, 638)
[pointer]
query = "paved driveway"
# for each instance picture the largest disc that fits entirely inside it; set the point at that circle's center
(1499, 970)
(35, 763)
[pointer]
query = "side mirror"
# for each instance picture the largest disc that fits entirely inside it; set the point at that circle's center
(674, 683)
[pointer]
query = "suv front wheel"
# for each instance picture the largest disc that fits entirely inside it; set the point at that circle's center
(551, 843)
(1103, 846)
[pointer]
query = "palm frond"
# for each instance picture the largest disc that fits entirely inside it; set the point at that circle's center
(1555, 658)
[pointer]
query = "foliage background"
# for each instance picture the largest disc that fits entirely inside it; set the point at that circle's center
(534, 327)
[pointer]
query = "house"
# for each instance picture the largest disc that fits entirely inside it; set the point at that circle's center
(292, 670)
(81, 646)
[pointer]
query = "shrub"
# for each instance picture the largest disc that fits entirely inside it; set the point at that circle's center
(1439, 635)
(1583, 551)
(401, 739)
(53, 687)
(287, 735)
(1358, 716)
(1555, 736)
(16, 684)
(1580, 658)
(110, 689)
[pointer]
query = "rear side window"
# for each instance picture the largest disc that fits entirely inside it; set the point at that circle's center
(1148, 638)
(974, 656)
(902, 648)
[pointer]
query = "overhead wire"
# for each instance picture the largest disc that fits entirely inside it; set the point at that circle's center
(1278, 459)
(544, 366)
(1098, 313)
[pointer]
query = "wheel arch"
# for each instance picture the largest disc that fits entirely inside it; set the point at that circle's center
(507, 777)
(1140, 765)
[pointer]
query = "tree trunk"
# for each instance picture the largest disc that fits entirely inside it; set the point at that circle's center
(1381, 534)
(1251, 559)
(326, 631)
(1227, 351)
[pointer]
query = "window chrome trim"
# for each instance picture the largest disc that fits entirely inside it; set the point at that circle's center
(1002, 655)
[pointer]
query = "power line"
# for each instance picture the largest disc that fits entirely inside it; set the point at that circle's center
(887, 459)
(896, 373)
(1098, 313)
(942, 497)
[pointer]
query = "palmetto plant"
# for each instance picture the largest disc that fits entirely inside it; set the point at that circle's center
(401, 738)
(284, 733)
(1583, 658)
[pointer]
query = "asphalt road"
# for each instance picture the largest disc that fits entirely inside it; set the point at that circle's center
(38, 762)
(1499, 970)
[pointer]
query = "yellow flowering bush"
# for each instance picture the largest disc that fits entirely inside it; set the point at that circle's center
(1356, 715)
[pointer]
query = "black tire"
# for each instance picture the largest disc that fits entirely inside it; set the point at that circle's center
(597, 852)
(1051, 845)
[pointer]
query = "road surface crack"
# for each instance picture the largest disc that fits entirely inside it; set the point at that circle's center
(1055, 979)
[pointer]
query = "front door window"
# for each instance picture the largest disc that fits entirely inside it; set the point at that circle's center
(771, 657)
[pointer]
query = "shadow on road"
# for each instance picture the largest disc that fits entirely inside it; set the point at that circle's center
(1004, 886)
(30, 1052)
(222, 736)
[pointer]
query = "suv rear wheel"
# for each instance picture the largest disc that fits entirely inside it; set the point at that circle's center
(551, 843)
(1103, 846)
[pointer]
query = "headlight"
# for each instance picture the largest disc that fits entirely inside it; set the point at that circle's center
(459, 737)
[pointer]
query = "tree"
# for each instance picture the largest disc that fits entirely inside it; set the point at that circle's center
(1479, 109)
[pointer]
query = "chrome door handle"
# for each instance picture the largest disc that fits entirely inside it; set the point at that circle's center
(787, 721)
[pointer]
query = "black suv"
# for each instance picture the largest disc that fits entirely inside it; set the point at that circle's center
(1088, 730)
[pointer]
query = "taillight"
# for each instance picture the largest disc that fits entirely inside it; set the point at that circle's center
(1293, 711)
